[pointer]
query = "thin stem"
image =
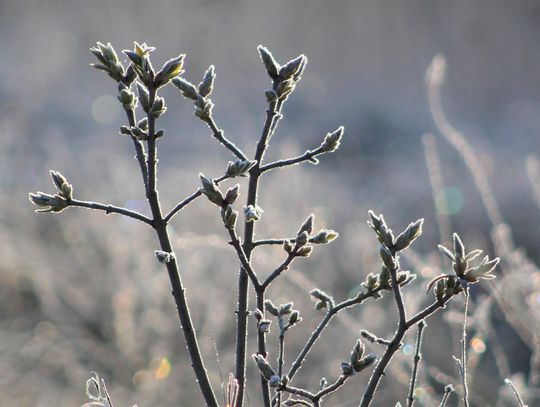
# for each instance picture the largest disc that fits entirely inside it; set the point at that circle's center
(448, 389)
(110, 209)
(139, 148)
(178, 291)
(275, 274)
(235, 242)
(516, 393)
(308, 155)
(416, 362)
(464, 351)
(219, 136)
(276, 241)
(299, 392)
(332, 388)
(394, 346)
(272, 116)
(332, 311)
(182, 204)
(280, 356)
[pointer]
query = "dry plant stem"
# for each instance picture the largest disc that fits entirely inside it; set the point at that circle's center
(272, 116)
(182, 204)
(276, 273)
(516, 393)
(316, 398)
(110, 209)
(446, 396)
(178, 291)
(437, 184)
(416, 362)
(219, 136)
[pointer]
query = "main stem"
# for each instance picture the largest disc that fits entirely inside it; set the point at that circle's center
(243, 280)
(178, 291)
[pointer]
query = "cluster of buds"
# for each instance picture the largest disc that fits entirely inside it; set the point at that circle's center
(109, 63)
(358, 361)
(57, 202)
(464, 273)
(239, 168)
(385, 235)
(154, 108)
(224, 201)
(141, 65)
(300, 248)
(284, 77)
(322, 299)
(199, 94)
(140, 130)
(282, 311)
(383, 280)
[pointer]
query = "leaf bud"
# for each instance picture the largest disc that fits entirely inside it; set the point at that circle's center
(366, 361)
(209, 188)
(408, 235)
(232, 194)
(163, 257)
(229, 217)
(302, 239)
(387, 258)
(264, 325)
(304, 251)
(357, 352)
(207, 84)
(291, 68)
(272, 67)
(239, 168)
(288, 246)
(285, 309)
(274, 381)
(144, 97)
(271, 308)
(188, 90)
(324, 236)
(252, 213)
(264, 367)
(346, 369)
(307, 226)
(294, 317)
(332, 140)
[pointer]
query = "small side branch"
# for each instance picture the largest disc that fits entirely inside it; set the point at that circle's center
(111, 209)
(219, 136)
(235, 242)
(275, 274)
(416, 362)
(182, 204)
(307, 156)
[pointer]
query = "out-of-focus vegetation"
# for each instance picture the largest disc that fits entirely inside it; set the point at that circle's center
(82, 292)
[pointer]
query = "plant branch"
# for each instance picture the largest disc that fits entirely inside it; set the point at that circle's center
(110, 209)
(275, 274)
(272, 117)
(178, 291)
(182, 204)
(219, 136)
(416, 361)
(235, 242)
(308, 155)
(463, 367)
(139, 147)
(448, 389)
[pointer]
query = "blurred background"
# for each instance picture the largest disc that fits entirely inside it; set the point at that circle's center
(82, 292)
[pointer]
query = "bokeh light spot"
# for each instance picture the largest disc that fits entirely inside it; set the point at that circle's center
(408, 349)
(139, 377)
(162, 369)
(478, 345)
(105, 109)
(449, 201)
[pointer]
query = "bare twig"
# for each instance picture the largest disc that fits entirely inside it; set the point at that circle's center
(110, 209)
(308, 155)
(516, 393)
(448, 389)
(416, 362)
(219, 136)
(182, 204)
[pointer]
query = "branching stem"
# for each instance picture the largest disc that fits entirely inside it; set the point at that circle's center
(416, 362)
